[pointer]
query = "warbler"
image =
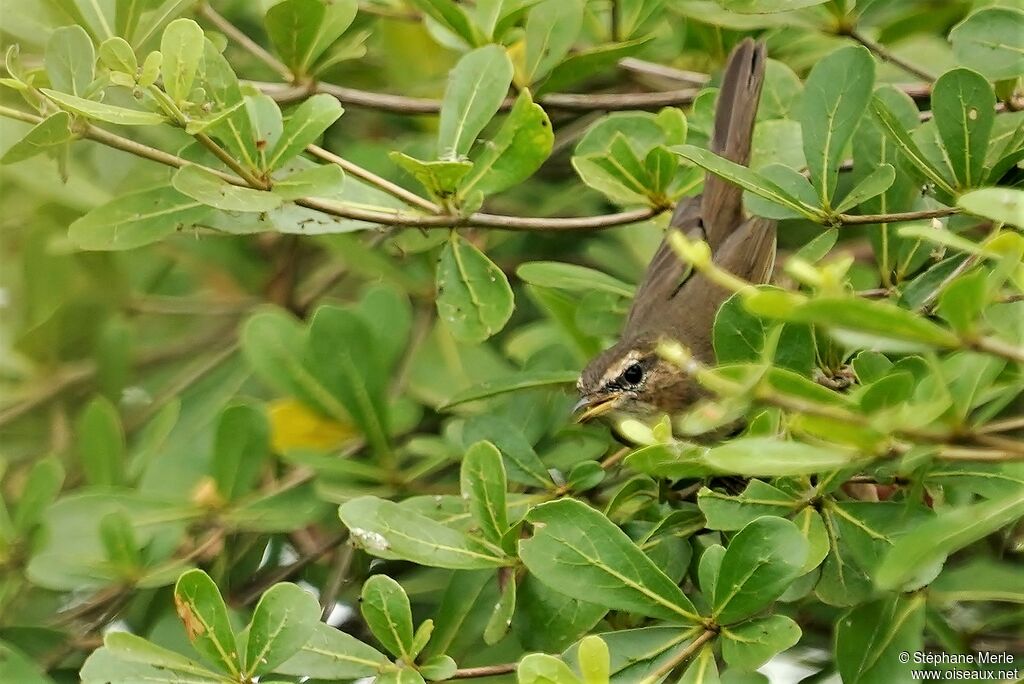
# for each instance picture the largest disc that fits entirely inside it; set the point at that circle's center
(673, 301)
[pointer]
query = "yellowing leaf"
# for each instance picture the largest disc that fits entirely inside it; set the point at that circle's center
(293, 426)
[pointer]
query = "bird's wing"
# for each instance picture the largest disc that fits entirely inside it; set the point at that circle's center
(667, 273)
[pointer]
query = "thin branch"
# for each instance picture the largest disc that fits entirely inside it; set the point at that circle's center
(229, 161)
(884, 54)
(640, 66)
(865, 219)
(78, 374)
(244, 41)
(382, 216)
(396, 191)
(681, 657)
(1003, 425)
(483, 671)
(402, 104)
(998, 347)
(256, 588)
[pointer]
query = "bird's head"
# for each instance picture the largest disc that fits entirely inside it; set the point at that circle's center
(631, 378)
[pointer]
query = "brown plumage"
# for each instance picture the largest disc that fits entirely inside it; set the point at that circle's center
(672, 302)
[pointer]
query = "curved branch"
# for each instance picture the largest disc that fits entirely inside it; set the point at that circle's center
(381, 216)
(866, 219)
(403, 104)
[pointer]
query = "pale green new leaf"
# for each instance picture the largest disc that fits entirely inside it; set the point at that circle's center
(104, 112)
(476, 88)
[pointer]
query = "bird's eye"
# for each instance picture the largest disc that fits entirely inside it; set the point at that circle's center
(634, 374)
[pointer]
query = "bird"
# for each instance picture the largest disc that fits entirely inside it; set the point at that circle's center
(673, 301)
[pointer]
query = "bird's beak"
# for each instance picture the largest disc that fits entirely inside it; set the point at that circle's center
(592, 407)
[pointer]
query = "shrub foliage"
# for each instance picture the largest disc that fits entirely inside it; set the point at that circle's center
(288, 393)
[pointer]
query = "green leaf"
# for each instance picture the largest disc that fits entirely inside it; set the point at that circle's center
(760, 563)
(385, 607)
(751, 644)
(476, 88)
(342, 352)
(540, 668)
(337, 18)
(201, 609)
(117, 55)
(872, 185)
(438, 668)
(293, 27)
(136, 219)
(42, 485)
(452, 16)
(981, 579)
(522, 380)
(99, 111)
(767, 456)
(387, 530)
(241, 447)
(767, 6)
(991, 41)
(836, 95)
(126, 16)
(119, 542)
(862, 322)
(932, 541)
(899, 135)
(594, 660)
(321, 180)
(963, 300)
(101, 443)
(521, 461)
(964, 107)
(501, 617)
(306, 124)
(579, 552)
(739, 336)
(725, 512)
(330, 654)
(440, 178)
(1005, 205)
(872, 638)
(572, 277)
(551, 29)
(272, 342)
(546, 618)
(182, 50)
(790, 181)
(210, 189)
(70, 59)
(474, 298)
(51, 132)
(746, 179)
(581, 64)
(282, 623)
(124, 652)
(483, 486)
(230, 122)
(518, 149)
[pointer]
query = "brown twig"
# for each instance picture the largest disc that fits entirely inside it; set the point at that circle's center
(244, 41)
(396, 191)
(483, 671)
(681, 657)
(75, 375)
(403, 104)
(382, 216)
(885, 55)
(865, 219)
(255, 589)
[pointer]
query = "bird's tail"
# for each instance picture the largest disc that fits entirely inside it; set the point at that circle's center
(722, 202)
